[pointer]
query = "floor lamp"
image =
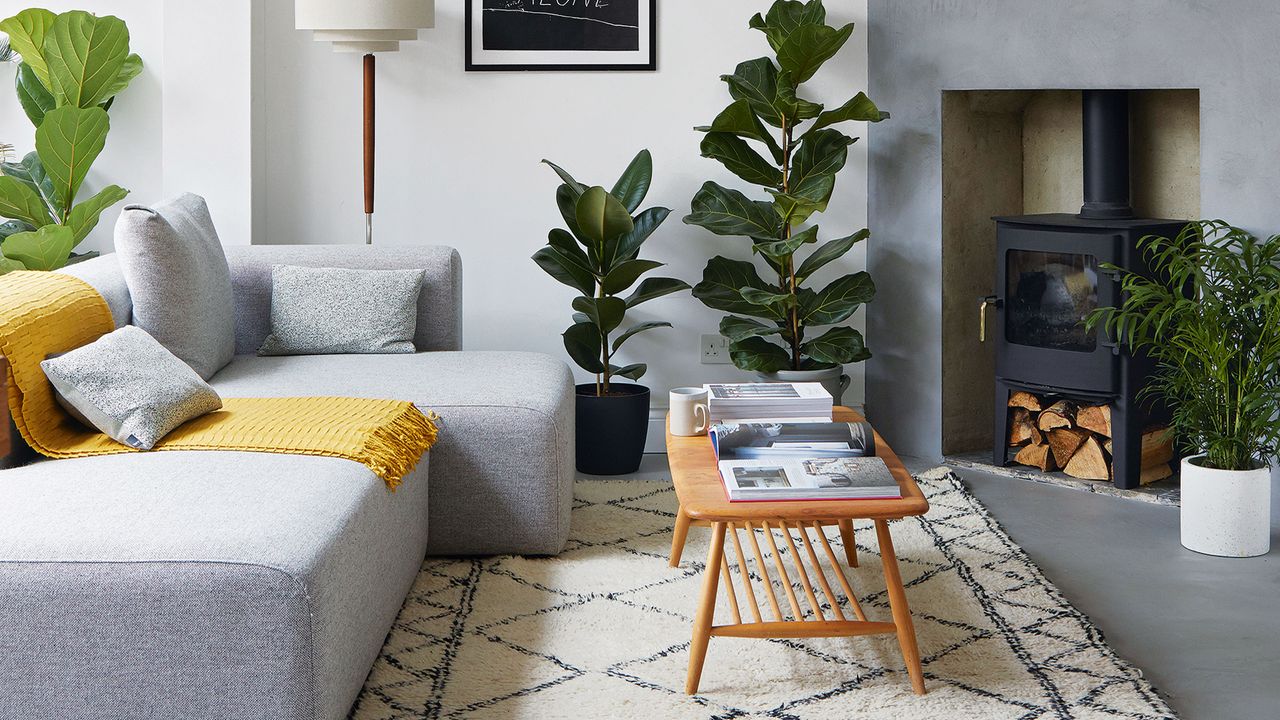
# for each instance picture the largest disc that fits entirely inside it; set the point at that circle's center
(366, 27)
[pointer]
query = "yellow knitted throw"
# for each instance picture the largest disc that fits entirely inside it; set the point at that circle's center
(45, 313)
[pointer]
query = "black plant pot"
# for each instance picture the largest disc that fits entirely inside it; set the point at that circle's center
(612, 429)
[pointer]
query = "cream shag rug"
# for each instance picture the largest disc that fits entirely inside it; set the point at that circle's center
(602, 631)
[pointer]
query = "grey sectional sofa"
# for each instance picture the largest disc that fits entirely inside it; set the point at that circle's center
(246, 585)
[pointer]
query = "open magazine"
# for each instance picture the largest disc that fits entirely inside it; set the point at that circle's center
(777, 440)
(839, 478)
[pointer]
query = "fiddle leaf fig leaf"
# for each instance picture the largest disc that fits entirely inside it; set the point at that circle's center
(47, 248)
(656, 287)
(33, 96)
(737, 156)
(739, 328)
(859, 107)
(795, 109)
(68, 141)
(130, 69)
(84, 216)
(27, 31)
(837, 346)
(771, 299)
(13, 227)
(821, 155)
(582, 342)
(635, 181)
(837, 301)
(756, 82)
(784, 17)
(758, 355)
(778, 250)
(85, 54)
(809, 46)
(795, 209)
(19, 202)
(738, 119)
(605, 312)
(8, 265)
(722, 283)
(828, 252)
(636, 330)
(728, 212)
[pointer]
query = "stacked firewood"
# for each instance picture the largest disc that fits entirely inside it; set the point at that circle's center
(1057, 434)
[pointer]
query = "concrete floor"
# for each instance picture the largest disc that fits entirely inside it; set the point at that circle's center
(1204, 630)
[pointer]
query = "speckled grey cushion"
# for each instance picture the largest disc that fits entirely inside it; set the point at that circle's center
(130, 387)
(178, 280)
(337, 311)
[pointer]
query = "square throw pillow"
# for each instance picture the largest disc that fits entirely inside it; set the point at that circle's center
(325, 311)
(130, 387)
(178, 280)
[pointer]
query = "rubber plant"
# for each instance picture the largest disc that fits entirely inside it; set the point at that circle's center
(771, 318)
(71, 67)
(598, 255)
(1209, 315)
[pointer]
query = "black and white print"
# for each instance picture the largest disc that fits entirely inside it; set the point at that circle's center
(560, 34)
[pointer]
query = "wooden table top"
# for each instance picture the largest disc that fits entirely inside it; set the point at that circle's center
(702, 495)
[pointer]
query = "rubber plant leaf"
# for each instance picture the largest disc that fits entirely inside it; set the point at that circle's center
(636, 330)
(634, 183)
(651, 288)
(582, 342)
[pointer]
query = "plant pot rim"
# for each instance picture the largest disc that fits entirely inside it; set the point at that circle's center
(1192, 461)
(616, 390)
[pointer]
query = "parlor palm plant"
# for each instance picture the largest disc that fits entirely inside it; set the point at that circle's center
(771, 322)
(597, 254)
(71, 66)
(1209, 315)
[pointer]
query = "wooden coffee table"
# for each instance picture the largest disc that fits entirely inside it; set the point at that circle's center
(703, 502)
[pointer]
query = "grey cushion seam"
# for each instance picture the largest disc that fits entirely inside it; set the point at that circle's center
(306, 596)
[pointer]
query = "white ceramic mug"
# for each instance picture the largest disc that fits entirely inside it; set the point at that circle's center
(689, 411)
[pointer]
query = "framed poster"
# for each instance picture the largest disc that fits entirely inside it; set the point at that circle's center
(561, 34)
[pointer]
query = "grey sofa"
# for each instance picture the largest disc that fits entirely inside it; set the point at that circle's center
(247, 585)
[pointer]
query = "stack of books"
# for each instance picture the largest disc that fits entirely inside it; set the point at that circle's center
(789, 401)
(785, 461)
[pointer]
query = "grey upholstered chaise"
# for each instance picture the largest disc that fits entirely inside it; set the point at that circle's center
(246, 585)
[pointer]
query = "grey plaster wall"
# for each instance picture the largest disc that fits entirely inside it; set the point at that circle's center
(918, 48)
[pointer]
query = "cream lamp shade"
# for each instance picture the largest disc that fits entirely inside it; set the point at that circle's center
(364, 26)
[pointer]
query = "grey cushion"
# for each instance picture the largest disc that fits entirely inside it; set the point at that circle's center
(178, 280)
(103, 274)
(439, 325)
(502, 470)
(319, 311)
(130, 387)
(199, 585)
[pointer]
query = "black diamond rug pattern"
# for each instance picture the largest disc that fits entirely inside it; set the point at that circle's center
(602, 630)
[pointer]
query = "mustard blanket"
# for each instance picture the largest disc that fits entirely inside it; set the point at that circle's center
(44, 313)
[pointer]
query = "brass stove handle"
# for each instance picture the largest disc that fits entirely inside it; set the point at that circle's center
(984, 303)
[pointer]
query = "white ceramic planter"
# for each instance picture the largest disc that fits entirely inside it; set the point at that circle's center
(1225, 512)
(833, 379)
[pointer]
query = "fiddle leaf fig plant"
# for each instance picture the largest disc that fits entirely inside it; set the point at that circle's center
(71, 66)
(786, 145)
(598, 255)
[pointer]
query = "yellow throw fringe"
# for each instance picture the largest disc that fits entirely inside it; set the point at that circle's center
(45, 313)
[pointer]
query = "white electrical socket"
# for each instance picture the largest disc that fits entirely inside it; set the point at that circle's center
(715, 350)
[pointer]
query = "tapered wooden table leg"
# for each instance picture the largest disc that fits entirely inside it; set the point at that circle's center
(850, 546)
(678, 537)
(706, 609)
(898, 602)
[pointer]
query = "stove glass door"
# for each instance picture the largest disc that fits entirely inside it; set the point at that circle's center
(1048, 297)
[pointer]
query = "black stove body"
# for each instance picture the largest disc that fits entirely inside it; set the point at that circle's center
(1050, 276)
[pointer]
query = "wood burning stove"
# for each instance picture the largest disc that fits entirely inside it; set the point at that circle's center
(1050, 276)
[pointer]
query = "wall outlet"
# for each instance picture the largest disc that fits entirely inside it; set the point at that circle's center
(715, 350)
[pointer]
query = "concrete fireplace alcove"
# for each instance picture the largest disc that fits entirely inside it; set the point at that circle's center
(1018, 152)
(922, 50)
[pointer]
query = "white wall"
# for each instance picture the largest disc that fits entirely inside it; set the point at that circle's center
(458, 163)
(133, 155)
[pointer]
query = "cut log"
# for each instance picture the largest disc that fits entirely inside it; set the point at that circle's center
(1155, 473)
(1107, 446)
(1096, 418)
(1020, 426)
(1157, 447)
(1059, 414)
(1064, 442)
(1037, 437)
(1025, 400)
(1037, 456)
(1088, 462)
